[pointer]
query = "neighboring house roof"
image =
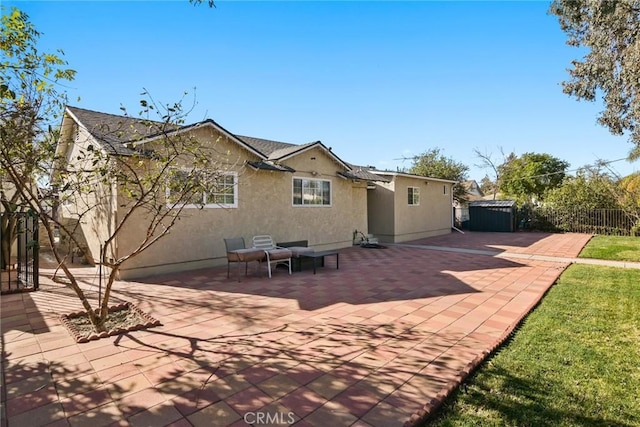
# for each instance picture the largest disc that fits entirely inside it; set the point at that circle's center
(492, 203)
(120, 135)
(472, 188)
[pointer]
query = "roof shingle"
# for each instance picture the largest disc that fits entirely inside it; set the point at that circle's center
(117, 135)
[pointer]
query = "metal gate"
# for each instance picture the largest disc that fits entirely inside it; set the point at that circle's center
(21, 270)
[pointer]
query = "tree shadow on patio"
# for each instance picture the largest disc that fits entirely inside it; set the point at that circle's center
(302, 367)
(45, 392)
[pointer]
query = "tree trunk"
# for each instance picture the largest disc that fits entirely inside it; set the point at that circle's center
(104, 309)
(97, 323)
(8, 232)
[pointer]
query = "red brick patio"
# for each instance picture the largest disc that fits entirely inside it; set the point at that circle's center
(376, 343)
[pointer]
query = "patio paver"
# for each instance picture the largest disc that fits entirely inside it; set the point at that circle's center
(376, 343)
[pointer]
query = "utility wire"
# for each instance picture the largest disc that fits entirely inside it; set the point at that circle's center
(599, 163)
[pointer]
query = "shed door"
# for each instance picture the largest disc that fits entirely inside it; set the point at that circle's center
(491, 219)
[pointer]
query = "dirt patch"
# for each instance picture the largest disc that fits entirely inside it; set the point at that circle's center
(122, 318)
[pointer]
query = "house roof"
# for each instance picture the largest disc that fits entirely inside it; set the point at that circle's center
(410, 175)
(120, 135)
(276, 151)
(265, 146)
(363, 173)
(270, 166)
(116, 134)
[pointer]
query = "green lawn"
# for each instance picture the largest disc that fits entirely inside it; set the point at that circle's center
(575, 361)
(613, 247)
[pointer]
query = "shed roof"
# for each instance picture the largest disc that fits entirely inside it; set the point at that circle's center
(492, 203)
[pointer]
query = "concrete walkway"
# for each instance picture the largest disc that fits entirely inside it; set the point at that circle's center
(379, 342)
(515, 255)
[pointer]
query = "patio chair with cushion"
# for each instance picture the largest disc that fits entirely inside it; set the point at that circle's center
(275, 254)
(298, 248)
(237, 252)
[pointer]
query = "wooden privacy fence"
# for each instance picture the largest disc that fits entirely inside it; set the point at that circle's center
(615, 222)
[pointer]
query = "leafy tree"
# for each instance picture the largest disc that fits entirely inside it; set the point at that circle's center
(630, 191)
(586, 190)
(528, 177)
(609, 30)
(131, 178)
(579, 198)
(435, 165)
(628, 195)
(8, 222)
(29, 102)
(487, 186)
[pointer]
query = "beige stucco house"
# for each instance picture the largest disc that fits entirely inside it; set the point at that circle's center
(292, 192)
(409, 207)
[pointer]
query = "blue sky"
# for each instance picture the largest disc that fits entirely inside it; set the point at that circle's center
(379, 82)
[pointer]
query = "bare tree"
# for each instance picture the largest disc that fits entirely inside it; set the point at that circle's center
(140, 176)
(487, 162)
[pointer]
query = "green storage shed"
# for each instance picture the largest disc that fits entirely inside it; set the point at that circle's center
(492, 215)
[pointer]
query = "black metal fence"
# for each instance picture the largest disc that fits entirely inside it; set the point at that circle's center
(21, 253)
(614, 222)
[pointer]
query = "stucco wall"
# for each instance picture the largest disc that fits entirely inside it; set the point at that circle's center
(431, 217)
(393, 220)
(91, 210)
(381, 211)
(265, 206)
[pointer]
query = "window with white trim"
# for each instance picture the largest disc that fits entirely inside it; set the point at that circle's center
(222, 193)
(445, 189)
(311, 192)
(413, 196)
